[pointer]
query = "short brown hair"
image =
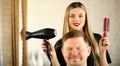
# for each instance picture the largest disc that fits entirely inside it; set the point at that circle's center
(74, 33)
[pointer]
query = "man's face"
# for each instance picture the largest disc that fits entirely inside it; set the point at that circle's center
(76, 51)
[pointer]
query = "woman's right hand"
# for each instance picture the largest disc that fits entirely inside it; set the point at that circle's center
(52, 52)
(45, 48)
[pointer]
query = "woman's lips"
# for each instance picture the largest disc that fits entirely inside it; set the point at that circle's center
(76, 24)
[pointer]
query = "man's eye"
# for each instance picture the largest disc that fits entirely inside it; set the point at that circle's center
(69, 49)
(78, 48)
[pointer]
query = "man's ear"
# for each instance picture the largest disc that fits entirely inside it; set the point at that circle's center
(62, 50)
(89, 50)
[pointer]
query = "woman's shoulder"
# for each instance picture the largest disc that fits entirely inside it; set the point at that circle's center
(58, 43)
(97, 36)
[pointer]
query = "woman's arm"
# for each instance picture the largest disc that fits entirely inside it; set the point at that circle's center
(104, 44)
(53, 56)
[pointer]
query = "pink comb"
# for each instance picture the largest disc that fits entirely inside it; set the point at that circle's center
(106, 26)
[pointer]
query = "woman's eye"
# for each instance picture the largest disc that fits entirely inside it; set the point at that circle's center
(72, 16)
(80, 15)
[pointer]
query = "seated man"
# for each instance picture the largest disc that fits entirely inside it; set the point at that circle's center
(75, 49)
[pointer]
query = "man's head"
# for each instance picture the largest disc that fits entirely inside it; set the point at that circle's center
(75, 48)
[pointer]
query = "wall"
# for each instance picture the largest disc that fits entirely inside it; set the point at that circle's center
(50, 13)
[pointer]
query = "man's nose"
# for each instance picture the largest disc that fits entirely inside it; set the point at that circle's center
(74, 51)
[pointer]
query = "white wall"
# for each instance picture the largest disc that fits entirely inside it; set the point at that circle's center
(50, 13)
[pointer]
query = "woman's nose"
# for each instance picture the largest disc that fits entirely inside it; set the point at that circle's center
(76, 19)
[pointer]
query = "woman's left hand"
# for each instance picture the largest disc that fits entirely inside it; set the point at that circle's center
(104, 43)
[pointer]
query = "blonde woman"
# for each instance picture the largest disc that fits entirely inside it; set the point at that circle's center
(76, 18)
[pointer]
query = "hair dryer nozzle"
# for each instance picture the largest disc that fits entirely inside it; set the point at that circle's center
(28, 34)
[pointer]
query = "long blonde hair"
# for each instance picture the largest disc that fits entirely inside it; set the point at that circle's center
(86, 29)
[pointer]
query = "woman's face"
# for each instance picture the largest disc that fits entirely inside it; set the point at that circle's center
(77, 18)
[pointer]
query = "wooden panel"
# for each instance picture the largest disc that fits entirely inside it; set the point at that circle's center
(23, 32)
(10, 22)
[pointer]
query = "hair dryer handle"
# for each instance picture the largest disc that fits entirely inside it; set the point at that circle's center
(48, 51)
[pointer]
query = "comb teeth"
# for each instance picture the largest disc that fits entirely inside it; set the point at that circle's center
(106, 24)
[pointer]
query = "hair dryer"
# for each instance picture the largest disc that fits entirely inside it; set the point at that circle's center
(46, 33)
